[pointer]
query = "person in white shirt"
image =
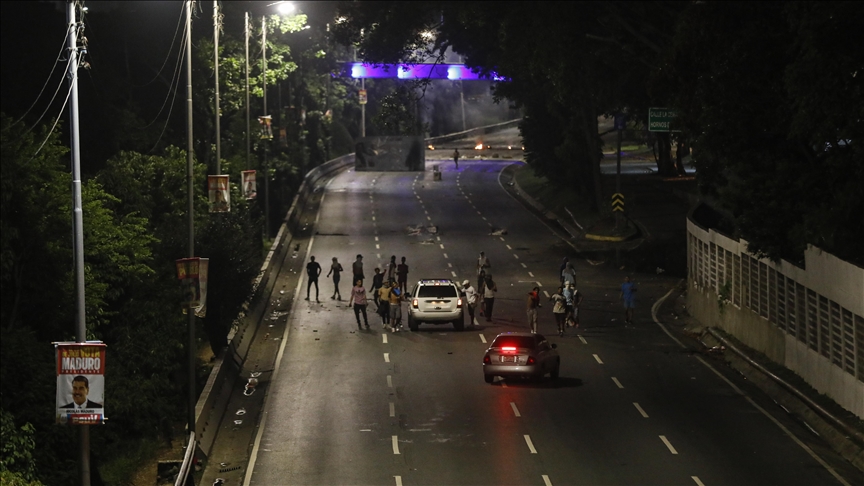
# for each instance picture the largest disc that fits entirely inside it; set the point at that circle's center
(471, 299)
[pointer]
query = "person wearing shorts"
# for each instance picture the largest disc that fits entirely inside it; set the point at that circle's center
(628, 295)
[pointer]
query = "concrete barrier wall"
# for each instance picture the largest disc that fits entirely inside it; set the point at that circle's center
(209, 409)
(808, 319)
(474, 132)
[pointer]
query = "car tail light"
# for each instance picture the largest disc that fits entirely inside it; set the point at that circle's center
(459, 303)
(414, 303)
(487, 359)
(508, 349)
(531, 360)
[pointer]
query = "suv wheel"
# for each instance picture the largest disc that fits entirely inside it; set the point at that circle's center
(412, 324)
(488, 378)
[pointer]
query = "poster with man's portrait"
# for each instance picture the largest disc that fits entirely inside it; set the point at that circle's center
(80, 383)
(250, 184)
(219, 193)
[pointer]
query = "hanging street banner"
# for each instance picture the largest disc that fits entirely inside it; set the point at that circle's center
(218, 193)
(266, 127)
(362, 96)
(617, 202)
(250, 184)
(80, 383)
(192, 273)
(662, 120)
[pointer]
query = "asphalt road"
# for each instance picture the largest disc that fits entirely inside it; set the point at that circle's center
(349, 406)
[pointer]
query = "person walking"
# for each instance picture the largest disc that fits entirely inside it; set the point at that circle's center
(561, 270)
(481, 291)
(532, 304)
(483, 264)
(313, 270)
(456, 158)
(357, 269)
(558, 309)
(377, 283)
(572, 319)
(568, 303)
(396, 298)
(471, 298)
(568, 275)
(384, 303)
(336, 270)
(390, 276)
(628, 295)
(489, 296)
(402, 276)
(358, 299)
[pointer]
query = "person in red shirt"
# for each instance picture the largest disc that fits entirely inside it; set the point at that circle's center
(532, 304)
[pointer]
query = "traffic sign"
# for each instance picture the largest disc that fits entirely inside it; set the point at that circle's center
(362, 96)
(662, 120)
(618, 202)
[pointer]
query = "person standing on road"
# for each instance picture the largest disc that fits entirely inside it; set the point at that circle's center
(568, 275)
(471, 299)
(532, 304)
(384, 303)
(377, 283)
(489, 296)
(483, 264)
(336, 270)
(313, 269)
(568, 303)
(396, 298)
(559, 309)
(561, 270)
(456, 158)
(572, 319)
(391, 270)
(358, 299)
(357, 268)
(628, 295)
(402, 276)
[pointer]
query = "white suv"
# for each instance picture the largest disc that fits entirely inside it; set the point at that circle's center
(435, 301)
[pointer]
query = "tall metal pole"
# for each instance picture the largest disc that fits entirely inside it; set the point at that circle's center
(216, 73)
(190, 211)
(618, 174)
(77, 219)
(248, 135)
(462, 101)
(267, 141)
(362, 105)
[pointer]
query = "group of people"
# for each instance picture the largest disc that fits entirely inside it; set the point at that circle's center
(388, 289)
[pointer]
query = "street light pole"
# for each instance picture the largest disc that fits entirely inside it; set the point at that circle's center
(77, 219)
(216, 74)
(267, 141)
(248, 135)
(190, 212)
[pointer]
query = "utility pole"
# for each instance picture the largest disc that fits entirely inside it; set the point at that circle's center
(248, 135)
(190, 212)
(77, 219)
(267, 141)
(216, 73)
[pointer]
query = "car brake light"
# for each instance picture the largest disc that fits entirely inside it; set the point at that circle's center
(508, 349)
(459, 302)
(531, 360)
(487, 359)
(414, 303)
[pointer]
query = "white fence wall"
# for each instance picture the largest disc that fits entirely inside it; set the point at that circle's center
(808, 319)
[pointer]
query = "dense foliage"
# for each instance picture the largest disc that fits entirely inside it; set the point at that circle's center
(769, 96)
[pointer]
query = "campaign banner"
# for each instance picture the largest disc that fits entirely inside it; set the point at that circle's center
(250, 184)
(192, 272)
(390, 154)
(218, 193)
(80, 383)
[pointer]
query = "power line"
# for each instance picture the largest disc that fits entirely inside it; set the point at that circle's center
(170, 50)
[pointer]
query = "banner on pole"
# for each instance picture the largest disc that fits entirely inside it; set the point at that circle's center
(80, 383)
(219, 194)
(250, 184)
(192, 273)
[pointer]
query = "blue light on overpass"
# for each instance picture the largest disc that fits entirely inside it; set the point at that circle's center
(452, 72)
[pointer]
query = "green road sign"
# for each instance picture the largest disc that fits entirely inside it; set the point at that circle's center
(662, 119)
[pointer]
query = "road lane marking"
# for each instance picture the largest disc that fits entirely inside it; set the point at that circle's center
(530, 444)
(445, 256)
(454, 274)
(546, 293)
(387, 357)
(373, 218)
(441, 245)
(515, 410)
(398, 480)
(697, 481)
(530, 274)
(449, 265)
(438, 238)
(428, 218)
(484, 218)
(376, 238)
(523, 265)
(508, 247)
(396, 445)
(502, 238)
(426, 212)
(599, 361)
(377, 246)
(582, 339)
(389, 381)
(515, 256)
(384, 338)
(546, 480)
(539, 284)
(617, 383)
(669, 445)
(378, 255)
(392, 409)
(478, 212)
(642, 412)
(482, 338)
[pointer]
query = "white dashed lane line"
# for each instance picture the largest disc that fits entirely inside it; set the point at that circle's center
(641, 412)
(508, 247)
(454, 274)
(392, 409)
(376, 239)
(449, 265)
(515, 256)
(697, 481)
(599, 361)
(389, 381)
(546, 293)
(515, 410)
(546, 480)
(531, 274)
(483, 339)
(441, 245)
(530, 444)
(668, 444)
(396, 444)
(502, 238)
(582, 339)
(387, 357)
(384, 338)
(398, 480)
(617, 383)
(445, 256)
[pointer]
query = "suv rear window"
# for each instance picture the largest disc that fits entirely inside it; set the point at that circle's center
(518, 341)
(437, 291)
